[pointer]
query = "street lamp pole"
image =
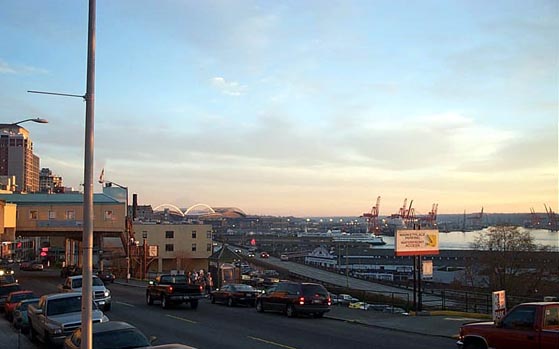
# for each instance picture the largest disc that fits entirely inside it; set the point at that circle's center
(37, 120)
(87, 280)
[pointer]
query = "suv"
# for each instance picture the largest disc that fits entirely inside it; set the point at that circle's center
(294, 298)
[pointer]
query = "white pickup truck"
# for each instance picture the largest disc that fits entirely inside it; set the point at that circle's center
(56, 316)
(101, 294)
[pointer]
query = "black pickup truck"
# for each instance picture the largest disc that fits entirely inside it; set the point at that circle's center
(172, 290)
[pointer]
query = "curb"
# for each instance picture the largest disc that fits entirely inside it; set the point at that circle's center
(124, 283)
(359, 322)
(473, 316)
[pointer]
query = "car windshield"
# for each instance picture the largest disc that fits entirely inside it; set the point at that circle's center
(244, 288)
(64, 305)
(77, 283)
(22, 306)
(312, 290)
(7, 279)
(123, 339)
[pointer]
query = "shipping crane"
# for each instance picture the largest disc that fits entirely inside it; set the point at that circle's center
(552, 218)
(373, 226)
(534, 218)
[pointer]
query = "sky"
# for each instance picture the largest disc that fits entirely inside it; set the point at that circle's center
(303, 108)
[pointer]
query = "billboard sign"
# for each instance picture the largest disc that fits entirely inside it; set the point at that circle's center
(416, 242)
(153, 251)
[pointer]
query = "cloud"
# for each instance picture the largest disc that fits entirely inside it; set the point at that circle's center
(231, 88)
(6, 68)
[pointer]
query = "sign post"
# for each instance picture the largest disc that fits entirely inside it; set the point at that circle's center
(417, 243)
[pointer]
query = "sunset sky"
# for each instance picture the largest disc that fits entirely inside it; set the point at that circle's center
(304, 108)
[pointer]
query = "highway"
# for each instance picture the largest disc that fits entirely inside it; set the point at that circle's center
(218, 326)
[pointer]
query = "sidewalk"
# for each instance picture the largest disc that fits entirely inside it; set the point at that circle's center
(10, 338)
(445, 325)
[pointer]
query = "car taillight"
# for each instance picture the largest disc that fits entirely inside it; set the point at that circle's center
(170, 289)
(201, 288)
(301, 300)
(329, 301)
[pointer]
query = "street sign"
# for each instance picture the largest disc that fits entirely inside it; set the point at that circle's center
(498, 305)
(427, 267)
(416, 242)
(153, 251)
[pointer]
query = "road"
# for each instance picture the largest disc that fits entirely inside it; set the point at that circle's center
(218, 326)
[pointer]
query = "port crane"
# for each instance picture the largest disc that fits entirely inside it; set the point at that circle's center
(552, 218)
(373, 226)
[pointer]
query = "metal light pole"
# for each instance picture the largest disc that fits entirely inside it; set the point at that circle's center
(87, 280)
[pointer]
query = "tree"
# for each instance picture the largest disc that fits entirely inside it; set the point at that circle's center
(509, 259)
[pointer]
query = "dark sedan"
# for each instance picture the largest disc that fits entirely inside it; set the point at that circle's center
(232, 294)
(106, 276)
(292, 298)
(111, 335)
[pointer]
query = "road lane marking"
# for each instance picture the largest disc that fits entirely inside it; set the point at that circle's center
(127, 304)
(182, 319)
(272, 343)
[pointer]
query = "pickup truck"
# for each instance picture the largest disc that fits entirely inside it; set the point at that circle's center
(528, 325)
(173, 289)
(101, 294)
(56, 316)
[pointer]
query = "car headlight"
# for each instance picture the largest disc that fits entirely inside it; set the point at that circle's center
(107, 293)
(57, 330)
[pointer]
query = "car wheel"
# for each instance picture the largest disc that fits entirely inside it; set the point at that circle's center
(149, 300)
(474, 345)
(290, 311)
(194, 304)
(212, 299)
(164, 304)
(230, 302)
(259, 307)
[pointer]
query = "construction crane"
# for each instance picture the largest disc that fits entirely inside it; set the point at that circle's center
(372, 218)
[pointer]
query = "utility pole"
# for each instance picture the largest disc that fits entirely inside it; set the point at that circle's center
(87, 280)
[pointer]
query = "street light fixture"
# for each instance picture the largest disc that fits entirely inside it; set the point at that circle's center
(37, 120)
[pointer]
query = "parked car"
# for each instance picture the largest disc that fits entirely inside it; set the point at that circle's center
(360, 305)
(19, 318)
(111, 335)
(232, 294)
(346, 299)
(394, 310)
(294, 298)
(5, 290)
(13, 299)
(284, 258)
(264, 255)
(106, 276)
(31, 266)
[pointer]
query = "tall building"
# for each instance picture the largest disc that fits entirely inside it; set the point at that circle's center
(17, 158)
(50, 183)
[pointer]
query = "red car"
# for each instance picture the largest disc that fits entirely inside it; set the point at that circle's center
(13, 299)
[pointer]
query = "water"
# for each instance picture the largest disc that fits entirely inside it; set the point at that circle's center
(458, 240)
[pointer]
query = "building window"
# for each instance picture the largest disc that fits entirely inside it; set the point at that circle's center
(194, 234)
(109, 215)
(70, 215)
(209, 235)
(169, 247)
(34, 214)
(169, 234)
(209, 247)
(193, 247)
(52, 215)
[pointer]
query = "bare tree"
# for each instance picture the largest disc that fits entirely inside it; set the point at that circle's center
(504, 252)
